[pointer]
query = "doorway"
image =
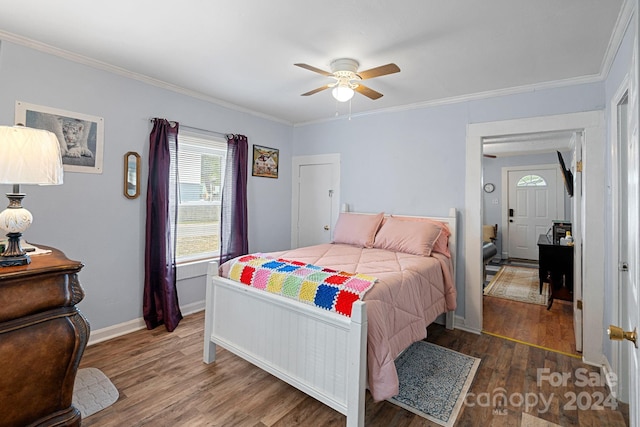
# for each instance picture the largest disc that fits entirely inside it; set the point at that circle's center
(532, 192)
(589, 198)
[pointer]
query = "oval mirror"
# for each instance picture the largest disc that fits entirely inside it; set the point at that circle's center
(131, 175)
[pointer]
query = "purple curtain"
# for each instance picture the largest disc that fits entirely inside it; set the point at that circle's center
(233, 216)
(160, 302)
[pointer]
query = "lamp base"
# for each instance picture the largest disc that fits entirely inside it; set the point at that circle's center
(12, 261)
(14, 254)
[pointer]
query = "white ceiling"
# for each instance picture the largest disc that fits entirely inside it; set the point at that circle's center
(240, 53)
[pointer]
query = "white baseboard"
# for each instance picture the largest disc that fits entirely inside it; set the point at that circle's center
(124, 328)
(460, 324)
(194, 307)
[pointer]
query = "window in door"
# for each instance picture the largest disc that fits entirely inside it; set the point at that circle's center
(531, 181)
(201, 161)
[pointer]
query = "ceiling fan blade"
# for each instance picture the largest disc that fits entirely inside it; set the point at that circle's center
(314, 69)
(311, 92)
(379, 71)
(368, 92)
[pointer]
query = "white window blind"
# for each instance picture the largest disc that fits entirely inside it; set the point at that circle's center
(201, 164)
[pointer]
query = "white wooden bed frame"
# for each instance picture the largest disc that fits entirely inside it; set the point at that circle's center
(321, 353)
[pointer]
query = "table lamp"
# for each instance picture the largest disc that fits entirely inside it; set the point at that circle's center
(27, 156)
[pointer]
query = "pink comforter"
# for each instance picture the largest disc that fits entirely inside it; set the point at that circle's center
(411, 292)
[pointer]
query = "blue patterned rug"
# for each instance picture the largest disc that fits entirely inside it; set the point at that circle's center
(434, 381)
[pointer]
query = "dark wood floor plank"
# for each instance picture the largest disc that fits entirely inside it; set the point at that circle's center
(531, 323)
(162, 381)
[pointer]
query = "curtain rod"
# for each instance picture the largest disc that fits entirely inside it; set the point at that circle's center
(226, 135)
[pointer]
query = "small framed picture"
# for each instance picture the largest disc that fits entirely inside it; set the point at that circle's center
(81, 136)
(265, 162)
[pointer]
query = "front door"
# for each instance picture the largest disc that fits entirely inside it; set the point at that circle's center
(532, 207)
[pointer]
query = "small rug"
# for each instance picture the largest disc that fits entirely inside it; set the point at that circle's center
(92, 391)
(434, 381)
(518, 284)
(491, 270)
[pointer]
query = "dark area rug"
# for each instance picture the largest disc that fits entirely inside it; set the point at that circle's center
(434, 381)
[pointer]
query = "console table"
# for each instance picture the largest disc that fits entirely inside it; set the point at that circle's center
(556, 268)
(42, 338)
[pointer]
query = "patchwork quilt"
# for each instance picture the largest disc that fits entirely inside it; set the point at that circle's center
(321, 287)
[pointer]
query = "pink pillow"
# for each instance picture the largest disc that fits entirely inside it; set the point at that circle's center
(442, 243)
(412, 237)
(357, 229)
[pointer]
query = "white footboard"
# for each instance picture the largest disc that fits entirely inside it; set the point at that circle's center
(319, 352)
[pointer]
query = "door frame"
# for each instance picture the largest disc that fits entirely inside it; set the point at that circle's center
(592, 124)
(320, 159)
(505, 197)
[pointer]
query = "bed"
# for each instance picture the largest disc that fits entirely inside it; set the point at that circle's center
(327, 354)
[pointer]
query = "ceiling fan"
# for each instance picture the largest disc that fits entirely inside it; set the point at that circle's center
(347, 78)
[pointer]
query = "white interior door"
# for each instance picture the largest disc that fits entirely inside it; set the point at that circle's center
(315, 199)
(630, 314)
(532, 207)
(622, 237)
(631, 296)
(314, 206)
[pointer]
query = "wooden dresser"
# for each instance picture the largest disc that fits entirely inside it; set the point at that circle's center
(42, 338)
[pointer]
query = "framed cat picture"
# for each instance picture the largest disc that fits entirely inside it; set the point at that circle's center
(81, 136)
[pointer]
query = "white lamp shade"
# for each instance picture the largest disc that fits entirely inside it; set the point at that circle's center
(29, 156)
(342, 93)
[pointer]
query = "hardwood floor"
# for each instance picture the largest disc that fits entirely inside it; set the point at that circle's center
(162, 381)
(531, 323)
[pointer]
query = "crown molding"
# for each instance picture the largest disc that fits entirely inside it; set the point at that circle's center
(65, 54)
(624, 18)
(622, 22)
(465, 98)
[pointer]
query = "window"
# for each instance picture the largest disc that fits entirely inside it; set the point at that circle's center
(201, 162)
(531, 181)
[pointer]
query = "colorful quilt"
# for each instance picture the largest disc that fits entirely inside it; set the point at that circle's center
(329, 289)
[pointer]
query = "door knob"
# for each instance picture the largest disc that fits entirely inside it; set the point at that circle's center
(616, 333)
(326, 227)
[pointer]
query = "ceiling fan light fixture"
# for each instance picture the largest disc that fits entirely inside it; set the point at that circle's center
(342, 93)
(347, 79)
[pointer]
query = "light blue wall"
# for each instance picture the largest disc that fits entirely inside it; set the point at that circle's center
(88, 217)
(620, 68)
(410, 161)
(413, 161)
